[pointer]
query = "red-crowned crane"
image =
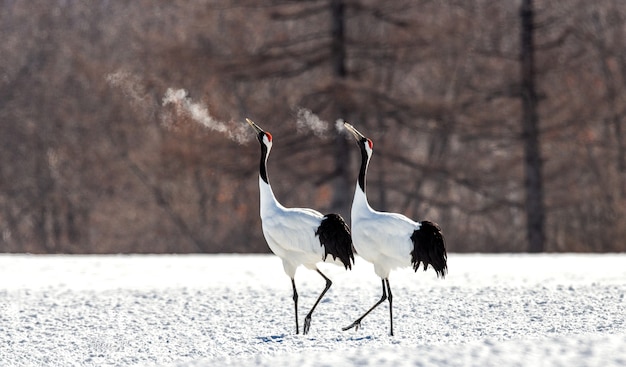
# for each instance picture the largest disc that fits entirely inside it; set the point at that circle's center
(390, 240)
(300, 236)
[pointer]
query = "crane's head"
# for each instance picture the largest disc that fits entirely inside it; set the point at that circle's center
(265, 138)
(364, 142)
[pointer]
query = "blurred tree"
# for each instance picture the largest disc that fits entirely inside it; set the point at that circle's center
(533, 183)
(91, 161)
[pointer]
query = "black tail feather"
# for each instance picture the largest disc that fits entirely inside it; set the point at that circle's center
(429, 248)
(335, 237)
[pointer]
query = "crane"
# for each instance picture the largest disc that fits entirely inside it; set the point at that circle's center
(390, 240)
(300, 236)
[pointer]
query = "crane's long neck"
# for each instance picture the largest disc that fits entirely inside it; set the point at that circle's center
(360, 202)
(267, 198)
(263, 165)
(365, 158)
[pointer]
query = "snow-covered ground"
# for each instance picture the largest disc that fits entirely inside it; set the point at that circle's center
(216, 310)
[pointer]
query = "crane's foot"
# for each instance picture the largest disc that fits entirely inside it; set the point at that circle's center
(356, 325)
(307, 325)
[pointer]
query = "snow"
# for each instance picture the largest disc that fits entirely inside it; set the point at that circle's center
(220, 310)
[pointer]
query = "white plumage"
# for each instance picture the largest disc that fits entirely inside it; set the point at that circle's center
(370, 237)
(290, 232)
(300, 236)
(390, 240)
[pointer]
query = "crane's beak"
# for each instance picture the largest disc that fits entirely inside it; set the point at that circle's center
(255, 126)
(357, 135)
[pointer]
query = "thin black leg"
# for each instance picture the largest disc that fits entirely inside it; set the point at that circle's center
(295, 302)
(307, 319)
(357, 323)
(390, 297)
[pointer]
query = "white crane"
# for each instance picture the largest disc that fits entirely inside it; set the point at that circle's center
(300, 236)
(390, 240)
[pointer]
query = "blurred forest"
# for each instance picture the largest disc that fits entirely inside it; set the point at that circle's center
(93, 161)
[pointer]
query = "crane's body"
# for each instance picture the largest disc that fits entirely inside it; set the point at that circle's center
(368, 237)
(390, 240)
(300, 236)
(302, 224)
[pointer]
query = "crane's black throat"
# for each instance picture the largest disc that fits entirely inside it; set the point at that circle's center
(364, 162)
(263, 165)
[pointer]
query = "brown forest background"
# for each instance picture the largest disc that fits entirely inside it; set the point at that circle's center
(92, 161)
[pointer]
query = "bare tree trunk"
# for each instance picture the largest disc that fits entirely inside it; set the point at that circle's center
(534, 206)
(342, 188)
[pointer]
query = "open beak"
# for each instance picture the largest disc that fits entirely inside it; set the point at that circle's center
(255, 126)
(357, 135)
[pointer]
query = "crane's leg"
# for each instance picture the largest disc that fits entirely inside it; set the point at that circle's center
(307, 319)
(295, 302)
(357, 323)
(390, 297)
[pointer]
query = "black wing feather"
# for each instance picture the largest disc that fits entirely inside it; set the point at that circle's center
(429, 248)
(335, 237)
